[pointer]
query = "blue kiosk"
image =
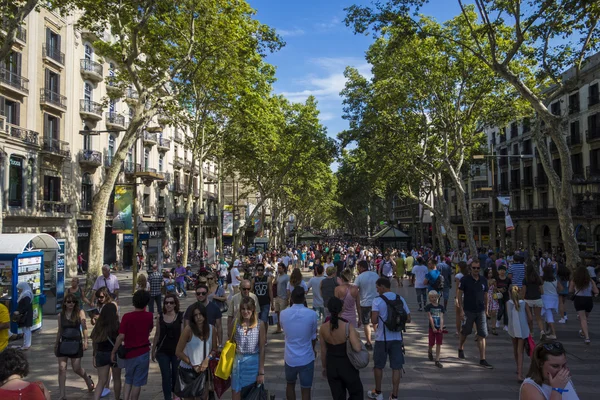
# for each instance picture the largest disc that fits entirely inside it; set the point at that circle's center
(31, 258)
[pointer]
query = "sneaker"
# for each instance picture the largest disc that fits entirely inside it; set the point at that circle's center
(105, 392)
(439, 364)
(420, 308)
(581, 335)
(562, 321)
(430, 355)
(498, 324)
(505, 328)
(565, 317)
(374, 395)
(461, 354)
(369, 346)
(551, 337)
(485, 364)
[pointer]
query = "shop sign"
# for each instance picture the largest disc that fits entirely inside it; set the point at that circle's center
(128, 238)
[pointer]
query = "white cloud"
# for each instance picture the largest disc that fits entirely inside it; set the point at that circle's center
(328, 25)
(327, 116)
(290, 32)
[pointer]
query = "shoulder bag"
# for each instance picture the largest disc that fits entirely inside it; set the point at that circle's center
(70, 342)
(225, 365)
(190, 383)
(572, 295)
(359, 359)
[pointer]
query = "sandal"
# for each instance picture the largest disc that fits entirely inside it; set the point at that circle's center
(91, 386)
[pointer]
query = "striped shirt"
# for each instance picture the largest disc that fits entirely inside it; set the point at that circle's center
(518, 274)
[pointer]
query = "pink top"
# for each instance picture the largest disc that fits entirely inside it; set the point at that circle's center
(349, 310)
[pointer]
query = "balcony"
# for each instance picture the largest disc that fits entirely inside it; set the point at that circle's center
(527, 183)
(112, 85)
(90, 110)
(131, 168)
(541, 180)
(178, 137)
(53, 55)
(178, 188)
(53, 100)
(177, 162)
(131, 95)
(56, 147)
(154, 127)
(115, 121)
(150, 139)
(578, 176)
(26, 135)
(187, 165)
(21, 32)
(91, 70)
(574, 139)
(177, 218)
(592, 135)
(14, 82)
(164, 144)
(90, 158)
(164, 181)
(592, 173)
(54, 207)
(515, 185)
(212, 176)
(162, 118)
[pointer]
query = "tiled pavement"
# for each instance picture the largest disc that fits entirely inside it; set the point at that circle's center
(457, 380)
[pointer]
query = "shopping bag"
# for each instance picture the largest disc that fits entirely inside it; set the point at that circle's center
(219, 386)
(255, 392)
(189, 383)
(225, 365)
(529, 346)
(273, 319)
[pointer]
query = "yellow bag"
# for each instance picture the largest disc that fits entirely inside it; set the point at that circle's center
(225, 365)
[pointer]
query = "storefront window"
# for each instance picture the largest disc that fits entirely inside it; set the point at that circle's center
(15, 181)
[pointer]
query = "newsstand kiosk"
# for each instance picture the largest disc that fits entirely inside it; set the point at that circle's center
(22, 258)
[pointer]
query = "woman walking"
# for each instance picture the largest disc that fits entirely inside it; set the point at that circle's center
(24, 313)
(584, 288)
(532, 291)
(295, 280)
(166, 337)
(349, 295)
(550, 299)
(518, 328)
(564, 276)
(344, 380)
(463, 270)
(196, 346)
(76, 291)
(215, 290)
(250, 337)
(104, 337)
(69, 343)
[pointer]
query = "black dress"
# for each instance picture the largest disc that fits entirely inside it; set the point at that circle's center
(25, 309)
(341, 374)
(67, 323)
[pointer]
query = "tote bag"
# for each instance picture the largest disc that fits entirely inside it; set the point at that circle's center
(225, 365)
(359, 359)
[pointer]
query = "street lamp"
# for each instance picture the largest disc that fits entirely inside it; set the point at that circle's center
(201, 215)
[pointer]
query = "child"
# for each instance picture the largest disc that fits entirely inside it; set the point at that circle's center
(518, 328)
(435, 313)
(493, 305)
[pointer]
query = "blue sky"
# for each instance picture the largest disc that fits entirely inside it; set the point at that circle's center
(318, 48)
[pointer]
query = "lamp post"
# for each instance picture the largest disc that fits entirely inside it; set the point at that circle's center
(493, 157)
(201, 215)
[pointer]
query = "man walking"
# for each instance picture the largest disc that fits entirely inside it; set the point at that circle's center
(516, 271)
(473, 310)
(388, 339)
(110, 281)
(367, 289)
(419, 272)
(180, 274)
(300, 326)
(315, 284)
(156, 282)
(236, 300)
(262, 287)
(280, 302)
(446, 272)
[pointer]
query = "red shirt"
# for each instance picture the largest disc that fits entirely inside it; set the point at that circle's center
(136, 326)
(30, 392)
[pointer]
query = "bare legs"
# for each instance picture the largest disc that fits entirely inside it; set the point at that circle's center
(583, 317)
(518, 347)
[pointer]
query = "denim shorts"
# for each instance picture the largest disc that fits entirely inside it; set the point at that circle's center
(446, 293)
(136, 370)
(385, 349)
(365, 315)
(306, 373)
(479, 319)
(263, 315)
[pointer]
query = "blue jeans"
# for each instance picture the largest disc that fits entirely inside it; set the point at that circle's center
(181, 287)
(263, 315)
(422, 293)
(168, 371)
(158, 300)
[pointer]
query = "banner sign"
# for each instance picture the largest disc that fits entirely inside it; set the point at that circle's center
(228, 221)
(505, 201)
(123, 220)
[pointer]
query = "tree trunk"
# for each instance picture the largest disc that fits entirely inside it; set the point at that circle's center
(101, 198)
(219, 210)
(462, 203)
(185, 239)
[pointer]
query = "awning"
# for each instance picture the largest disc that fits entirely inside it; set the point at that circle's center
(23, 242)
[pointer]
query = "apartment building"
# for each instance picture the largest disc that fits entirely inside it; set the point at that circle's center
(58, 134)
(532, 207)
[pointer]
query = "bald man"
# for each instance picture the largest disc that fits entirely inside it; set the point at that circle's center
(234, 304)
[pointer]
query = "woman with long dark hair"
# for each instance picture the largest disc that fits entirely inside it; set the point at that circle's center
(584, 288)
(70, 344)
(166, 337)
(197, 344)
(532, 291)
(344, 380)
(104, 337)
(348, 293)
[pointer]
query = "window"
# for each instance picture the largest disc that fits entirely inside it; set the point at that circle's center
(146, 159)
(529, 200)
(574, 103)
(11, 110)
(514, 130)
(52, 81)
(594, 95)
(130, 156)
(527, 147)
(543, 200)
(111, 146)
(176, 151)
(30, 173)
(161, 206)
(577, 162)
(574, 130)
(112, 106)
(51, 127)
(595, 160)
(557, 166)
(555, 108)
(526, 125)
(161, 162)
(15, 181)
(86, 192)
(146, 203)
(13, 66)
(87, 139)
(89, 52)
(51, 188)
(87, 91)
(594, 125)
(111, 69)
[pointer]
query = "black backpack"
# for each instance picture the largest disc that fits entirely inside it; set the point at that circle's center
(439, 283)
(396, 315)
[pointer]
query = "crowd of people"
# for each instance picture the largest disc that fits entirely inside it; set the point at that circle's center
(351, 289)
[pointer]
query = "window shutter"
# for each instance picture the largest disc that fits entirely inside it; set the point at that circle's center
(46, 126)
(2, 106)
(57, 88)
(47, 79)
(58, 43)
(17, 108)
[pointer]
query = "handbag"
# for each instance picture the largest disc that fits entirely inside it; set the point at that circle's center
(572, 295)
(70, 342)
(255, 392)
(225, 365)
(223, 307)
(218, 385)
(359, 359)
(529, 346)
(190, 383)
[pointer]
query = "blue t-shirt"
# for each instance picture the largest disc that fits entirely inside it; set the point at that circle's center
(431, 278)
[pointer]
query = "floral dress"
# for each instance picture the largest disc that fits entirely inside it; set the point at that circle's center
(492, 302)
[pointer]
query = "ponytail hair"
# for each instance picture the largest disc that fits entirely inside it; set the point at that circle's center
(335, 306)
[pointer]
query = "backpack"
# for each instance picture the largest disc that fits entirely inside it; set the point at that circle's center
(439, 283)
(396, 315)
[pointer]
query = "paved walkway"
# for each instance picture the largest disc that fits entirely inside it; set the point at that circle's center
(422, 379)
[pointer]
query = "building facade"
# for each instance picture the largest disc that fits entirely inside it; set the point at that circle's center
(59, 131)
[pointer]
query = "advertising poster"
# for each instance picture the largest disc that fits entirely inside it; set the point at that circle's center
(60, 272)
(227, 220)
(123, 221)
(505, 201)
(29, 270)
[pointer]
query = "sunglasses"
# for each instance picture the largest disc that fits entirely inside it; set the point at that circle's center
(169, 302)
(475, 268)
(246, 288)
(201, 293)
(70, 302)
(260, 270)
(553, 346)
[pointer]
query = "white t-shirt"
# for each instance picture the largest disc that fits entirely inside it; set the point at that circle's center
(223, 270)
(380, 306)
(315, 284)
(420, 271)
(237, 263)
(235, 273)
(591, 271)
(285, 260)
(367, 288)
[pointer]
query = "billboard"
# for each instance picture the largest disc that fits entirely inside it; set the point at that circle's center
(505, 202)
(227, 220)
(123, 220)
